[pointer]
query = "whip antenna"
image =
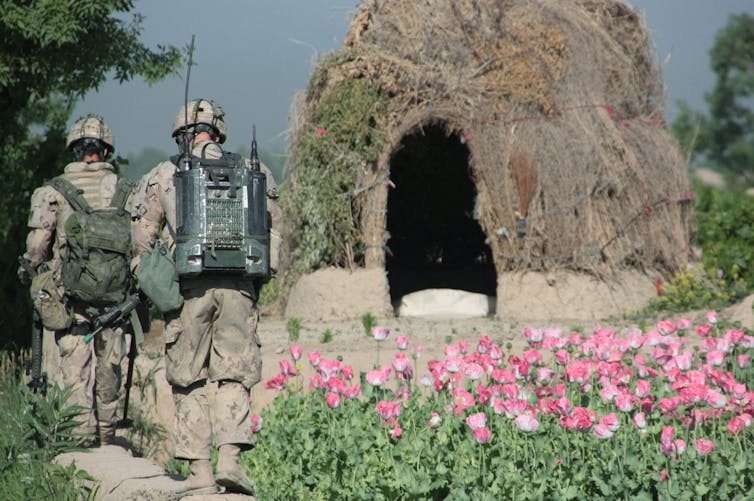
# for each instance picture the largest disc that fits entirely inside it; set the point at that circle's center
(186, 152)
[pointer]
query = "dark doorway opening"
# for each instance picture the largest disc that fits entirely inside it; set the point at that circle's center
(435, 240)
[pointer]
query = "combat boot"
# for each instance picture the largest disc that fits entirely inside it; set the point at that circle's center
(200, 481)
(229, 473)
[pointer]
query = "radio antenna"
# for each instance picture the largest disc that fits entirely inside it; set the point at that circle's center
(186, 153)
(254, 157)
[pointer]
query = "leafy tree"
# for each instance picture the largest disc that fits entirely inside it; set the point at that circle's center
(51, 54)
(725, 138)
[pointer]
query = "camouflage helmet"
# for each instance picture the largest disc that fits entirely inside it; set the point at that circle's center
(201, 111)
(91, 126)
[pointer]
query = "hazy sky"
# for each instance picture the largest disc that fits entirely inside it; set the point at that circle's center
(253, 56)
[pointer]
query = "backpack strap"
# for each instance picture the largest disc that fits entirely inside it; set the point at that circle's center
(74, 195)
(122, 191)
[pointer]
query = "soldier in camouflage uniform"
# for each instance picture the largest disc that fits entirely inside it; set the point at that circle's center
(213, 338)
(91, 142)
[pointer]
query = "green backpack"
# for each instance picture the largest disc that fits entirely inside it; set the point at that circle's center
(96, 268)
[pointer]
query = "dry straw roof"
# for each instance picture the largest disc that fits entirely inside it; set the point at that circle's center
(559, 103)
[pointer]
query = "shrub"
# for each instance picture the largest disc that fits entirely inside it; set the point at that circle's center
(33, 430)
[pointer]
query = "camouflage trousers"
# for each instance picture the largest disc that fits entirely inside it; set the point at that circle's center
(95, 390)
(213, 340)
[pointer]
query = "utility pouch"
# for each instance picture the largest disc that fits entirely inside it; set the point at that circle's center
(158, 279)
(52, 307)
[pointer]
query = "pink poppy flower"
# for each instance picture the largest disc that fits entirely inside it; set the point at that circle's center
(401, 342)
(715, 357)
(704, 446)
(313, 358)
(533, 357)
(602, 431)
(321, 132)
(417, 352)
(624, 402)
(387, 409)
(608, 392)
(347, 372)
(380, 333)
(743, 361)
(378, 377)
(667, 405)
(563, 406)
(680, 446)
(328, 368)
(256, 423)
(684, 323)
(478, 420)
(397, 431)
(495, 352)
(666, 326)
(400, 362)
(527, 422)
(545, 374)
(716, 400)
(578, 372)
(515, 407)
(666, 440)
(643, 388)
(533, 335)
(463, 400)
(611, 421)
(452, 350)
(663, 475)
(640, 421)
(562, 357)
(287, 368)
(332, 399)
(296, 352)
(454, 364)
(463, 346)
(352, 392)
(704, 330)
(482, 435)
(336, 384)
(712, 317)
(473, 371)
(434, 421)
(276, 383)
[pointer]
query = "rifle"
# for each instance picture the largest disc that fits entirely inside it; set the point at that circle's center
(38, 381)
(114, 317)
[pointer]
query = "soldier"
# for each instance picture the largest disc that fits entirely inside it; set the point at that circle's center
(58, 291)
(213, 338)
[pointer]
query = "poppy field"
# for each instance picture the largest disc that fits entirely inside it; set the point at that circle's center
(660, 413)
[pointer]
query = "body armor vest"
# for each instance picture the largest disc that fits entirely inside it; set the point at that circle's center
(222, 223)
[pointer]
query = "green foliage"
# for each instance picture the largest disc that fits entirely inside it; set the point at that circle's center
(293, 326)
(33, 430)
(325, 165)
(726, 137)
(725, 232)
(326, 336)
(69, 48)
(697, 288)
(368, 321)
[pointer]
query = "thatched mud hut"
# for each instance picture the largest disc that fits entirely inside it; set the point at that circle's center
(454, 143)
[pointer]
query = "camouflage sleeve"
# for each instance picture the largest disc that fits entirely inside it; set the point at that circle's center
(147, 213)
(42, 224)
